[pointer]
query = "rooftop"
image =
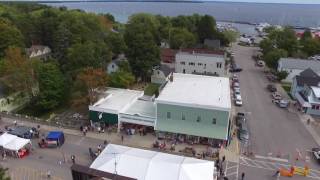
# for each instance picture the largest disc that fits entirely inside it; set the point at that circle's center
(142, 108)
(116, 100)
(197, 90)
(197, 54)
(302, 64)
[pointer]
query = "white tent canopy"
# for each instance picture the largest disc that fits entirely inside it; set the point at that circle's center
(17, 144)
(150, 165)
(6, 138)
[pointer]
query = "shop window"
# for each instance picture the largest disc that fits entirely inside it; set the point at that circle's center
(214, 121)
(168, 115)
(198, 119)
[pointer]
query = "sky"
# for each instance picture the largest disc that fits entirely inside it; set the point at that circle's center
(275, 1)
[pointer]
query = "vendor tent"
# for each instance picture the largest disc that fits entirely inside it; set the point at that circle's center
(150, 165)
(6, 138)
(16, 144)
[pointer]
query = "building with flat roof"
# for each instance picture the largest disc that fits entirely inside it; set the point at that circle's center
(200, 63)
(195, 106)
(190, 107)
(115, 100)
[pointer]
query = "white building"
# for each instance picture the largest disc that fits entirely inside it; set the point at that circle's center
(38, 51)
(113, 66)
(295, 66)
(200, 63)
(143, 164)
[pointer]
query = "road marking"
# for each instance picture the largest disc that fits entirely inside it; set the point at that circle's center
(272, 158)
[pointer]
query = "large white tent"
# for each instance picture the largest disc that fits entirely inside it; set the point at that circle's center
(150, 165)
(6, 138)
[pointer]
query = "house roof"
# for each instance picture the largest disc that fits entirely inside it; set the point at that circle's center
(302, 64)
(168, 55)
(197, 91)
(166, 69)
(316, 91)
(35, 48)
(151, 165)
(142, 108)
(308, 73)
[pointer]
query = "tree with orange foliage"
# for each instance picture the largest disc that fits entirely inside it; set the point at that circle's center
(18, 72)
(88, 81)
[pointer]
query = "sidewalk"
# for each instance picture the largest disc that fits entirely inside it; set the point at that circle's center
(144, 142)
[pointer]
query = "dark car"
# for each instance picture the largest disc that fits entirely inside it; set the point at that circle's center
(235, 68)
(271, 88)
(244, 133)
(240, 119)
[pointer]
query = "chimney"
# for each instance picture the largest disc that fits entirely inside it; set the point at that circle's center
(171, 77)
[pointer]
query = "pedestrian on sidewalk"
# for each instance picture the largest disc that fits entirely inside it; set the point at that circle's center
(84, 132)
(122, 138)
(223, 158)
(308, 121)
(15, 122)
(242, 176)
(49, 174)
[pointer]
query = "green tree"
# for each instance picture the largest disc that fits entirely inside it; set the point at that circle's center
(51, 86)
(3, 174)
(272, 57)
(116, 43)
(306, 35)
(285, 39)
(181, 38)
(311, 46)
(266, 45)
(143, 52)
(231, 35)
(88, 54)
(121, 79)
(207, 28)
(9, 36)
(282, 75)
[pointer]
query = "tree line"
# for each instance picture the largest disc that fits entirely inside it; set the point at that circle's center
(82, 45)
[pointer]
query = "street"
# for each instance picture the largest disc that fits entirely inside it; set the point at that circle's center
(274, 132)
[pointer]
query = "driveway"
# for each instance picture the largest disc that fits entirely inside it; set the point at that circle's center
(273, 131)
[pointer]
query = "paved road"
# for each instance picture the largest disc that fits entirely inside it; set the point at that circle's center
(273, 130)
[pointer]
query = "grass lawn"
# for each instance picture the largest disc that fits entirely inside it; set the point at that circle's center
(287, 88)
(151, 89)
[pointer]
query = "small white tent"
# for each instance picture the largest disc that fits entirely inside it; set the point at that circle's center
(150, 165)
(6, 138)
(17, 144)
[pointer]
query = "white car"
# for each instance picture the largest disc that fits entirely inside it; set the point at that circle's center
(238, 100)
(236, 92)
(236, 88)
(235, 84)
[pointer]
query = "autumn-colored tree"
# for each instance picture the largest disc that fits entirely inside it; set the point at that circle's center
(18, 73)
(89, 80)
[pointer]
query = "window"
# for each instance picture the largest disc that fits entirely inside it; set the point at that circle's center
(214, 121)
(183, 117)
(219, 65)
(182, 63)
(191, 63)
(112, 66)
(199, 64)
(198, 119)
(194, 71)
(158, 72)
(168, 115)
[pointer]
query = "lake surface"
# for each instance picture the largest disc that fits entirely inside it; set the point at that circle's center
(282, 14)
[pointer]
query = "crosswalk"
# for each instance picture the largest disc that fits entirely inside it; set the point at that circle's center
(24, 173)
(272, 165)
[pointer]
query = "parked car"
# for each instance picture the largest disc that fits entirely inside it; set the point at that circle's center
(316, 154)
(244, 133)
(282, 103)
(240, 118)
(235, 84)
(235, 79)
(236, 88)
(236, 92)
(260, 63)
(271, 88)
(276, 96)
(238, 100)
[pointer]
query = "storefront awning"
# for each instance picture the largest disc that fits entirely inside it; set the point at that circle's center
(302, 102)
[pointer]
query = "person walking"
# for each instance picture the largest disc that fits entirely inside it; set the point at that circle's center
(242, 176)
(122, 138)
(276, 174)
(49, 174)
(73, 159)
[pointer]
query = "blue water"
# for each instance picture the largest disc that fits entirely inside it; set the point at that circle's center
(282, 14)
